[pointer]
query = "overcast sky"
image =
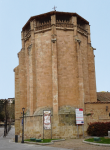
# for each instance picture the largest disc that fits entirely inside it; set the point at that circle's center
(15, 13)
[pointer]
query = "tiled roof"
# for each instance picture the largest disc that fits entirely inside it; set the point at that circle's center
(57, 13)
(103, 96)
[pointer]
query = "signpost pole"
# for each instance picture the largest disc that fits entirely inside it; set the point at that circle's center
(77, 131)
(83, 130)
(23, 109)
(51, 126)
(43, 124)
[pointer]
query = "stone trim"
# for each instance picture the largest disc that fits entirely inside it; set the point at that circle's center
(81, 28)
(40, 111)
(27, 38)
(29, 49)
(78, 40)
(97, 102)
(64, 23)
(53, 40)
(64, 28)
(82, 33)
(28, 33)
(43, 25)
(44, 30)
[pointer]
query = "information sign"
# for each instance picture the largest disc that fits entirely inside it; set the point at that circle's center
(47, 120)
(79, 116)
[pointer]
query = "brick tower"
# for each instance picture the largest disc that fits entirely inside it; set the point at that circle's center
(56, 72)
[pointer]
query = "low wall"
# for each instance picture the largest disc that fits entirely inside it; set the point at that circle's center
(63, 126)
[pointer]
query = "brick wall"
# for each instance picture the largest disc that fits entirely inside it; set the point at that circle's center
(43, 69)
(97, 112)
(56, 69)
(67, 69)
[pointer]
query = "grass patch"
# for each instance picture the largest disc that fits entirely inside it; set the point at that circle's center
(28, 140)
(46, 140)
(43, 140)
(102, 140)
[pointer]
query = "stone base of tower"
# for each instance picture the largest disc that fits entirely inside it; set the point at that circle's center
(63, 124)
(61, 127)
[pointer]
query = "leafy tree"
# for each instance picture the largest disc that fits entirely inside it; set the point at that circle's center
(7, 112)
(1, 110)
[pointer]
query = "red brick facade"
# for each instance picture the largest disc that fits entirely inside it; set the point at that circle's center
(55, 72)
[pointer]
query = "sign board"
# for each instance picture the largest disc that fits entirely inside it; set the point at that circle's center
(47, 120)
(79, 116)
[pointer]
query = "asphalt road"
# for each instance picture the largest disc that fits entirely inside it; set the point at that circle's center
(7, 144)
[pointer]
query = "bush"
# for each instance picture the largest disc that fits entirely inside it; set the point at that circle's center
(98, 128)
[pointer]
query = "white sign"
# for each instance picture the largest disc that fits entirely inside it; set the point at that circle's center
(47, 119)
(79, 116)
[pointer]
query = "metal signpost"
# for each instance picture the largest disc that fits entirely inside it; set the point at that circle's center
(23, 109)
(79, 120)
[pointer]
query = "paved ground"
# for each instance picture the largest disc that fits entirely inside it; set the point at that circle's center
(1, 131)
(73, 144)
(77, 144)
(6, 144)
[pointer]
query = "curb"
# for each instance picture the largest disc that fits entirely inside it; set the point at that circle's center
(38, 143)
(97, 144)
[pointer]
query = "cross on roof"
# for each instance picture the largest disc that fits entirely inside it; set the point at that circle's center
(54, 8)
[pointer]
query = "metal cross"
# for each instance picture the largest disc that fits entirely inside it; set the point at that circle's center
(54, 8)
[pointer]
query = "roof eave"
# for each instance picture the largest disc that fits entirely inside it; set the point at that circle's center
(52, 13)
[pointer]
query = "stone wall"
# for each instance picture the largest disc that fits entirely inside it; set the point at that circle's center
(97, 112)
(66, 127)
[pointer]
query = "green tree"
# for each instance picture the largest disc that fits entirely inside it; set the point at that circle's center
(7, 110)
(1, 109)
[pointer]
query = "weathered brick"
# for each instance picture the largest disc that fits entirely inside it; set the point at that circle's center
(56, 72)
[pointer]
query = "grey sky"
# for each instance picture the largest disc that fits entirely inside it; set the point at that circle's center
(15, 13)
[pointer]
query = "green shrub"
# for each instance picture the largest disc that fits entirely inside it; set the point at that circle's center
(98, 128)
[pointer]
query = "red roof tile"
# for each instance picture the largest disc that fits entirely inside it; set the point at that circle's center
(103, 96)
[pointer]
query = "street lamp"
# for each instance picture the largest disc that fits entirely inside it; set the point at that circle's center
(23, 109)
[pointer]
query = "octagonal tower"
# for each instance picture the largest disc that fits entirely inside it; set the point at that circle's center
(56, 72)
